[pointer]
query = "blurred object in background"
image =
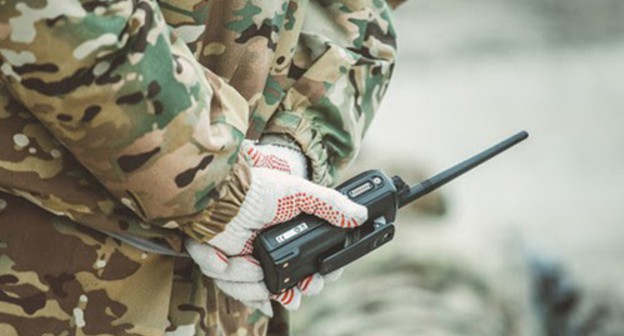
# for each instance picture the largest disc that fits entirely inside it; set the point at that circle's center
(565, 308)
(530, 244)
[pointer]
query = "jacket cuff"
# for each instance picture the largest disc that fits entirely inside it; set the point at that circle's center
(228, 199)
(288, 128)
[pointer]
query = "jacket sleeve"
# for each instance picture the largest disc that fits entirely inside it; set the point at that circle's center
(345, 55)
(128, 100)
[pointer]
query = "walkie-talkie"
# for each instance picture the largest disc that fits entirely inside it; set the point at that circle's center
(307, 244)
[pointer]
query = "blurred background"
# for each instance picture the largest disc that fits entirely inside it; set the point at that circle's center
(529, 243)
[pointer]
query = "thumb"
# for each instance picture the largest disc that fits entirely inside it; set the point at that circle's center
(289, 299)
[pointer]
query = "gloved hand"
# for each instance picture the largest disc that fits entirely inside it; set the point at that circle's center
(293, 162)
(274, 197)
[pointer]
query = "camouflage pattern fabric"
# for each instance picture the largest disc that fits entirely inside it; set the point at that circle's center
(127, 116)
(62, 278)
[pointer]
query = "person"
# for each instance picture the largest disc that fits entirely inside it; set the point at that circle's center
(131, 129)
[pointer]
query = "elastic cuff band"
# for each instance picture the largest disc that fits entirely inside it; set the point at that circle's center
(229, 199)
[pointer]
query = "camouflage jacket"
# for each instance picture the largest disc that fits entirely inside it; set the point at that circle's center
(127, 116)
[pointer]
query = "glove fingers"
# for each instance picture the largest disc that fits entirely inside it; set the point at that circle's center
(330, 205)
(244, 291)
(290, 299)
(314, 284)
(311, 285)
(275, 197)
(207, 257)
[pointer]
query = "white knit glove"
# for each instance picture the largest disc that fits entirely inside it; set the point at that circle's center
(293, 162)
(274, 196)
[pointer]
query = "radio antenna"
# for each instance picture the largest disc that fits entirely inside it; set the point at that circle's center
(433, 183)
